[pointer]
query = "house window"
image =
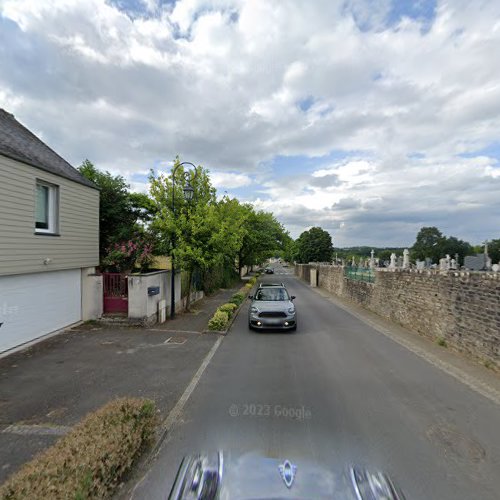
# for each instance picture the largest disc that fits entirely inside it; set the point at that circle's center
(46, 208)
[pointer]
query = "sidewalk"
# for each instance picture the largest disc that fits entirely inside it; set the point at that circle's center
(46, 389)
(197, 319)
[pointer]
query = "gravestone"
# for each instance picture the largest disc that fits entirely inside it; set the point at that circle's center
(420, 265)
(392, 265)
(476, 262)
(495, 268)
(372, 259)
(406, 259)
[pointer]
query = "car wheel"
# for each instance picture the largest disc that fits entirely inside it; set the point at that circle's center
(294, 328)
(250, 326)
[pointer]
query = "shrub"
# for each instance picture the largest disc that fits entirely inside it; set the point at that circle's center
(248, 286)
(218, 321)
(124, 256)
(237, 298)
(442, 342)
(252, 280)
(89, 461)
(228, 308)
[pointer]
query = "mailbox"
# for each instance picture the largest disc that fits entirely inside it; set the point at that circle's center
(153, 290)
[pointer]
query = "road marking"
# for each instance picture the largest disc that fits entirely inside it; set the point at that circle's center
(37, 430)
(470, 381)
(168, 423)
(172, 331)
(171, 418)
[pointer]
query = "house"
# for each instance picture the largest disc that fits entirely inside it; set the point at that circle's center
(49, 238)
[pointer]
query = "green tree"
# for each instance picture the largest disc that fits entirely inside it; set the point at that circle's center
(429, 244)
(314, 245)
(453, 246)
(117, 218)
(192, 227)
(233, 218)
(494, 251)
(264, 237)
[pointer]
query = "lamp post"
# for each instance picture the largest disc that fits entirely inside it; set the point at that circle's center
(188, 196)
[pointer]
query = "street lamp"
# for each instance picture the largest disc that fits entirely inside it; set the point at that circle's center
(188, 196)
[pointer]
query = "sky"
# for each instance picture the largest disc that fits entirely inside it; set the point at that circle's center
(368, 118)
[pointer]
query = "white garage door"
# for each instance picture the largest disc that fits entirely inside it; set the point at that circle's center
(33, 305)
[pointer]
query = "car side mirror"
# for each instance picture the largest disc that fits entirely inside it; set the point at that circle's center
(292, 297)
(250, 296)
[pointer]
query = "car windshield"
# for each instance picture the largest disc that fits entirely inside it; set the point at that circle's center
(272, 294)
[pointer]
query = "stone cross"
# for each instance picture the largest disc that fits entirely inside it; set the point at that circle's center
(372, 259)
(406, 258)
(392, 265)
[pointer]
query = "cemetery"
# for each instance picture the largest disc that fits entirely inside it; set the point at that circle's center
(451, 301)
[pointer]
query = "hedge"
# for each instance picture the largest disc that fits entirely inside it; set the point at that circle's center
(237, 298)
(218, 321)
(228, 308)
(89, 461)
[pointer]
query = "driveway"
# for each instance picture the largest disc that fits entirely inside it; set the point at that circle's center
(51, 386)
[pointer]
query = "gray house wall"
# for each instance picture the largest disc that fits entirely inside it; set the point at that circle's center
(21, 250)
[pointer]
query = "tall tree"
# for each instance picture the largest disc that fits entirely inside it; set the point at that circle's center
(494, 251)
(453, 246)
(429, 244)
(201, 229)
(264, 237)
(314, 245)
(116, 213)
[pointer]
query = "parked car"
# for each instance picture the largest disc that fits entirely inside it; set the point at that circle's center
(272, 307)
(269, 270)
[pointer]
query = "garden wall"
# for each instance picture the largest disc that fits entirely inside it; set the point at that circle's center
(462, 308)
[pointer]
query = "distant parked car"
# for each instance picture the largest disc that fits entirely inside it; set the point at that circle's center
(269, 270)
(272, 307)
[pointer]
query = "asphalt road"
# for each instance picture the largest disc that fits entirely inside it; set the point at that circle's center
(337, 391)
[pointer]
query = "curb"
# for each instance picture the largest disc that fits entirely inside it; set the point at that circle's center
(233, 317)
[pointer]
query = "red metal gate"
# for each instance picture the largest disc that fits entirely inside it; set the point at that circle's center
(115, 292)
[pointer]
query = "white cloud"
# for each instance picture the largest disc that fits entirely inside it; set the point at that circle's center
(229, 180)
(221, 83)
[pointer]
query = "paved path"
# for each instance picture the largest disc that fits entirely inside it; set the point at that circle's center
(46, 389)
(358, 396)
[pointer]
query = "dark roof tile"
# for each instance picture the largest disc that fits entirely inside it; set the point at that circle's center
(17, 142)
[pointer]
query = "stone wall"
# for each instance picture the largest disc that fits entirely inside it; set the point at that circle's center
(462, 308)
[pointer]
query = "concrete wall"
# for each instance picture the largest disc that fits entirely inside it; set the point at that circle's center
(92, 294)
(460, 307)
(145, 307)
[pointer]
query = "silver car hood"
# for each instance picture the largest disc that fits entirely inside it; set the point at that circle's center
(226, 476)
(272, 305)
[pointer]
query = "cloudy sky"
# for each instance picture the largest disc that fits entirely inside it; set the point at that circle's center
(369, 118)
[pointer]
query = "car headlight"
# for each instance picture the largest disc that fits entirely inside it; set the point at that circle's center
(291, 310)
(254, 310)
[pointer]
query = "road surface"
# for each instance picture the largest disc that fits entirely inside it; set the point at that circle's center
(337, 391)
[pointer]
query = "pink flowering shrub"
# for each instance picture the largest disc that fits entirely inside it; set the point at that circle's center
(127, 255)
